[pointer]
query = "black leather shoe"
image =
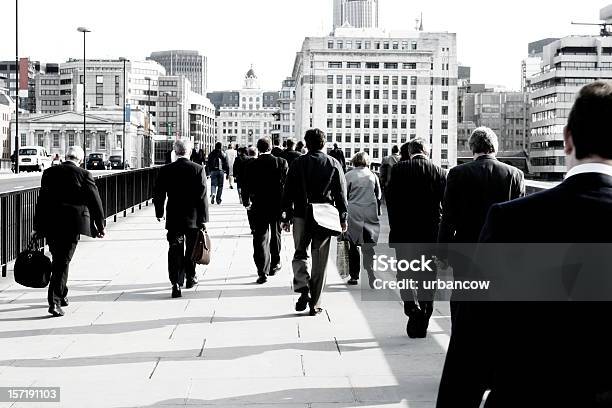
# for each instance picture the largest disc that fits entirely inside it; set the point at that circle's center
(261, 280)
(191, 282)
(315, 311)
(64, 302)
(352, 282)
(56, 311)
(212, 199)
(302, 302)
(176, 291)
(276, 269)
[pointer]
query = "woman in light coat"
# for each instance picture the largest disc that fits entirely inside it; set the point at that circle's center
(364, 194)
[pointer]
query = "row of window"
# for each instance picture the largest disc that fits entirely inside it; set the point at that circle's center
(376, 94)
(376, 109)
(378, 124)
(374, 45)
(370, 80)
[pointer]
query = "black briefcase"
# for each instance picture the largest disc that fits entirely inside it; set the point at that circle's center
(32, 268)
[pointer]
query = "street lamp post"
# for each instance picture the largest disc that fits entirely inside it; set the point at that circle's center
(124, 118)
(84, 30)
(16, 87)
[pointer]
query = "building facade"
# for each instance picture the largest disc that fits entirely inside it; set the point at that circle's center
(58, 131)
(286, 114)
(369, 90)
(567, 65)
(187, 63)
(356, 13)
(7, 109)
(246, 115)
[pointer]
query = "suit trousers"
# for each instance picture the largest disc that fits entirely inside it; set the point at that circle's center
(62, 250)
(266, 244)
(359, 255)
(309, 275)
(181, 247)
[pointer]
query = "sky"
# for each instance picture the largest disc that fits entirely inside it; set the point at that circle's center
(492, 35)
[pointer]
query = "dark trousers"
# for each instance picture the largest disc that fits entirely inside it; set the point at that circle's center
(217, 178)
(180, 264)
(359, 255)
(266, 244)
(62, 250)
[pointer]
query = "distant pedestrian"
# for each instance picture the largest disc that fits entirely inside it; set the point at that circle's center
(198, 155)
(387, 164)
(231, 154)
(68, 206)
(290, 154)
(364, 194)
(276, 150)
(338, 154)
(217, 169)
(262, 187)
(299, 147)
(415, 195)
(183, 183)
(313, 178)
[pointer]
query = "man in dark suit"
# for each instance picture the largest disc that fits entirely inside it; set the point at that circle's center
(262, 191)
(414, 200)
(198, 156)
(338, 154)
(276, 150)
(544, 354)
(68, 206)
(290, 154)
(471, 189)
(217, 167)
(184, 184)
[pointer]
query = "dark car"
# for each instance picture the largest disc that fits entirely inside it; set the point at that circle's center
(97, 161)
(116, 163)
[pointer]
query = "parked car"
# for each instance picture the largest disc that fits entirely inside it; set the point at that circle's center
(33, 158)
(116, 163)
(97, 161)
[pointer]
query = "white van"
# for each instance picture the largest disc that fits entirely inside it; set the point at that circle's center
(33, 158)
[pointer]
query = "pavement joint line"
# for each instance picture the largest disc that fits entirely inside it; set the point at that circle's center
(201, 355)
(102, 288)
(187, 305)
(355, 396)
(8, 287)
(213, 316)
(173, 330)
(154, 368)
(220, 293)
(61, 353)
(117, 298)
(337, 345)
(14, 299)
(298, 331)
(96, 319)
(302, 364)
(327, 313)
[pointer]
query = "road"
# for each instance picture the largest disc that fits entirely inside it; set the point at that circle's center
(14, 182)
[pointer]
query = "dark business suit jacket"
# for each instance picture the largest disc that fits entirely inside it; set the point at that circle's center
(414, 200)
(471, 189)
(68, 204)
(184, 184)
(290, 155)
(338, 154)
(547, 354)
(277, 151)
(262, 185)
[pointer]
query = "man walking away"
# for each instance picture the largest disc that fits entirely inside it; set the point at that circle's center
(231, 158)
(313, 178)
(471, 189)
(338, 154)
(415, 197)
(184, 184)
(386, 165)
(68, 206)
(198, 156)
(290, 154)
(262, 190)
(544, 354)
(217, 169)
(277, 151)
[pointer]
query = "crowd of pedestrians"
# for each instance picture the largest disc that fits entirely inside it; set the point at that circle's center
(501, 347)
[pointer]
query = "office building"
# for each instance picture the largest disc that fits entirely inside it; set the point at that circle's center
(567, 65)
(286, 114)
(356, 13)
(532, 65)
(370, 90)
(245, 115)
(7, 108)
(190, 64)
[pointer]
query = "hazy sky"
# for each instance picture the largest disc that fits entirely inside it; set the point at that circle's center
(492, 35)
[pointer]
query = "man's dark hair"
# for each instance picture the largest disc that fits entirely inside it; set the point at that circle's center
(276, 141)
(405, 152)
(242, 150)
(315, 139)
(418, 145)
(483, 141)
(251, 152)
(590, 121)
(335, 145)
(264, 144)
(218, 146)
(290, 144)
(395, 149)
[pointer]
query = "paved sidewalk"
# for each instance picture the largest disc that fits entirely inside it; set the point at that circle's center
(227, 342)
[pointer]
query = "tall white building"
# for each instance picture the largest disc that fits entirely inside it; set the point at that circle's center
(7, 108)
(245, 115)
(356, 13)
(187, 63)
(370, 90)
(286, 105)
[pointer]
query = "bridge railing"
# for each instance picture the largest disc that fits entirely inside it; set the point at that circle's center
(120, 192)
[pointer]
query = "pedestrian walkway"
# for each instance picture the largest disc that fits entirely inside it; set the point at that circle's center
(228, 342)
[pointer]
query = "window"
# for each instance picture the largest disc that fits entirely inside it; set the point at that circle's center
(445, 95)
(330, 45)
(391, 65)
(366, 80)
(371, 65)
(349, 80)
(445, 124)
(56, 140)
(339, 79)
(444, 110)
(410, 65)
(413, 109)
(413, 80)
(334, 64)
(353, 65)
(330, 108)
(330, 94)
(71, 139)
